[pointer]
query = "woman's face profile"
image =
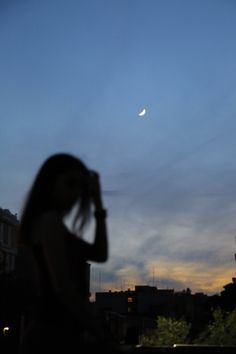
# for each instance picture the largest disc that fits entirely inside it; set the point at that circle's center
(67, 189)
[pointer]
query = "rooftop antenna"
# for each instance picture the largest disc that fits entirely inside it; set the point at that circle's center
(99, 280)
(235, 253)
(121, 284)
(153, 276)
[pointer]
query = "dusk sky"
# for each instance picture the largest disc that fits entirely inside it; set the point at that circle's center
(73, 77)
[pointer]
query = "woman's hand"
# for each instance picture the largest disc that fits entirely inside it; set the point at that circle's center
(95, 190)
(99, 251)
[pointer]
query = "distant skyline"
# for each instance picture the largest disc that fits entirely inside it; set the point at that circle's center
(74, 77)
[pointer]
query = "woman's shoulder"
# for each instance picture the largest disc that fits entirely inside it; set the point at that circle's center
(49, 219)
(49, 216)
(46, 225)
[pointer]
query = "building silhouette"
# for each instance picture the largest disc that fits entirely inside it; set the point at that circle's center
(140, 307)
(9, 311)
(8, 250)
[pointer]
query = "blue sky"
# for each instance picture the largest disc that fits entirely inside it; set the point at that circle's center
(73, 77)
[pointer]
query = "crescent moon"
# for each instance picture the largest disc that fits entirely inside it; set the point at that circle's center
(142, 113)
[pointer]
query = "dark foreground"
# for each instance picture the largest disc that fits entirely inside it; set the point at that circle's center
(185, 349)
(7, 348)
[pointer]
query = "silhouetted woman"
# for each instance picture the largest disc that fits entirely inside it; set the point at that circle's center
(61, 317)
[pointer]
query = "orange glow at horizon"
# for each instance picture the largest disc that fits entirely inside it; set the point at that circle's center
(197, 277)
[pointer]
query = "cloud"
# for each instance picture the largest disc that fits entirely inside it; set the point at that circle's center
(189, 248)
(165, 273)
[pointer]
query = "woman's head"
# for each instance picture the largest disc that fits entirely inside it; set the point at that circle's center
(61, 181)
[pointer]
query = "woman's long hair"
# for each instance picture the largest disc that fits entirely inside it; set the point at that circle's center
(40, 198)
